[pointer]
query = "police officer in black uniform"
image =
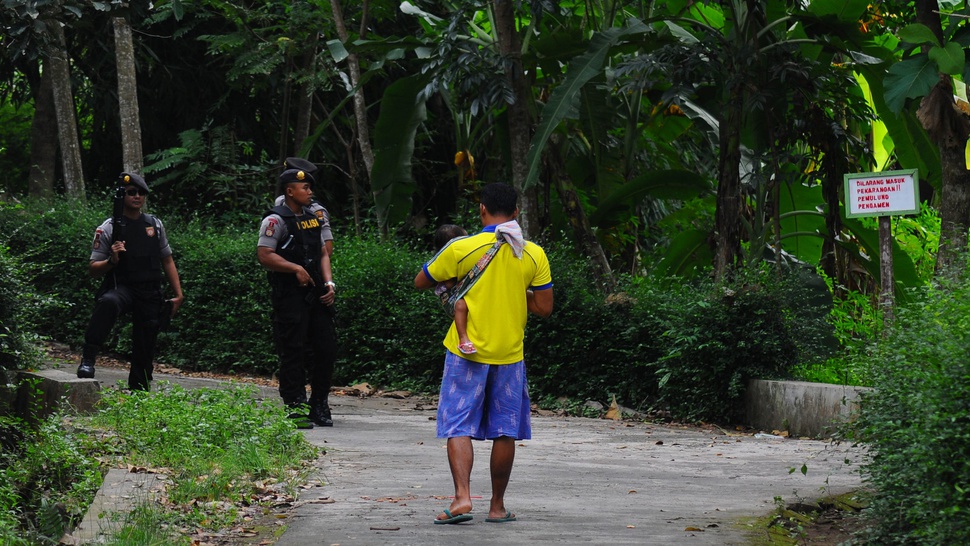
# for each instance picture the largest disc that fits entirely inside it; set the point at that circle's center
(302, 294)
(131, 253)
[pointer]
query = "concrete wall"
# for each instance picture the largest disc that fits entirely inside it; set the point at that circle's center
(803, 409)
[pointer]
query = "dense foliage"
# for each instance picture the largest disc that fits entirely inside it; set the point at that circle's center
(47, 480)
(221, 450)
(647, 345)
(917, 422)
(15, 333)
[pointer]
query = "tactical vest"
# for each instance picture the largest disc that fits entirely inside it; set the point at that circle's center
(301, 245)
(141, 262)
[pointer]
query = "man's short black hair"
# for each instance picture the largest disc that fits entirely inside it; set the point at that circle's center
(447, 232)
(499, 199)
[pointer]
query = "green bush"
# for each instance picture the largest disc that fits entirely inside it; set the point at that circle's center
(594, 348)
(52, 241)
(15, 343)
(916, 422)
(224, 323)
(686, 348)
(721, 335)
(46, 482)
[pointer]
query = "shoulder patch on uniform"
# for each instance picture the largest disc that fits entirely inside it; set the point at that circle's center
(97, 238)
(150, 231)
(270, 227)
(319, 214)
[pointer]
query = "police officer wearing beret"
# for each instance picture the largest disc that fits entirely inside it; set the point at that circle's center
(132, 259)
(290, 248)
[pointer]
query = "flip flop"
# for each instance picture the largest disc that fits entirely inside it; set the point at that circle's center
(457, 518)
(467, 348)
(508, 517)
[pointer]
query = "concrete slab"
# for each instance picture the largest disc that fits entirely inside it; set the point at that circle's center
(54, 388)
(122, 490)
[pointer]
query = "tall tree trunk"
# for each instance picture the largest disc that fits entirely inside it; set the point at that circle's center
(360, 103)
(571, 204)
(954, 193)
(727, 219)
(67, 133)
(835, 261)
(304, 107)
(520, 120)
(43, 144)
(132, 156)
(949, 129)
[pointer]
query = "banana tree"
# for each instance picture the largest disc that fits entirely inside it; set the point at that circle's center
(933, 58)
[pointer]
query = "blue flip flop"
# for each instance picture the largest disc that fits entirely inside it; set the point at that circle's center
(508, 517)
(452, 518)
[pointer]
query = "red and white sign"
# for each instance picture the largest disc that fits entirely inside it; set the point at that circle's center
(881, 194)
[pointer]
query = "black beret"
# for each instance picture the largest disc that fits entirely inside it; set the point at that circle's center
(132, 179)
(299, 163)
(295, 175)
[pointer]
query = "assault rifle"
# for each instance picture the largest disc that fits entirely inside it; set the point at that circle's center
(319, 288)
(117, 215)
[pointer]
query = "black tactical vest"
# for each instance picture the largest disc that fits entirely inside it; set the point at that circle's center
(300, 246)
(141, 262)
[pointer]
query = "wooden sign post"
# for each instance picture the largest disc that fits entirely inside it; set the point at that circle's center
(884, 194)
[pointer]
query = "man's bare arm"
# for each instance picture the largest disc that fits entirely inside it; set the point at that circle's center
(422, 282)
(540, 302)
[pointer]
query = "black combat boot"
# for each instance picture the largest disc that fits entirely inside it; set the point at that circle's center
(88, 354)
(86, 369)
(320, 413)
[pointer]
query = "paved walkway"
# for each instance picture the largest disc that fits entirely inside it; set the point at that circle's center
(385, 477)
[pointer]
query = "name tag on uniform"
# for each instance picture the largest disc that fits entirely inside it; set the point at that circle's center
(308, 224)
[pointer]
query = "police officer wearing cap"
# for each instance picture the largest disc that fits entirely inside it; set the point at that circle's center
(318, 210)
(132, 260)
(290, 248)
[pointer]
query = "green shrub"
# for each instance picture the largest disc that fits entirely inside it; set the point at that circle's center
(47, 482)
(594, 347)
(52, 240)
(721, 335)
(224, 324)
(14, 332)
(916, 421)
(686, 348)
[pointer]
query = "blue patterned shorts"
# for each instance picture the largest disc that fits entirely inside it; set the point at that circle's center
(483, 401)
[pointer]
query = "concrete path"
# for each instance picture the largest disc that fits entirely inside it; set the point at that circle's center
(384, 477)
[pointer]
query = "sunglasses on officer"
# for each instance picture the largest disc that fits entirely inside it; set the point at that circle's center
(131, 192)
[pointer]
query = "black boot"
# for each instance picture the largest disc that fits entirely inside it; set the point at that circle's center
(86, 369)
(88, 355)
(320, 413)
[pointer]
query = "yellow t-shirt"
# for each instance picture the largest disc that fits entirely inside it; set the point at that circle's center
(497, 307)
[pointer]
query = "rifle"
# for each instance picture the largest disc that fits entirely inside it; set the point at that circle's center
(320, 288)
(165, 316)
(117, 216)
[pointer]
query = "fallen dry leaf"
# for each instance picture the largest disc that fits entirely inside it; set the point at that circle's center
(614, 411)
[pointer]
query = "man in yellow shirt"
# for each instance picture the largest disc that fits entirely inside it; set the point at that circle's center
(484, 395)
